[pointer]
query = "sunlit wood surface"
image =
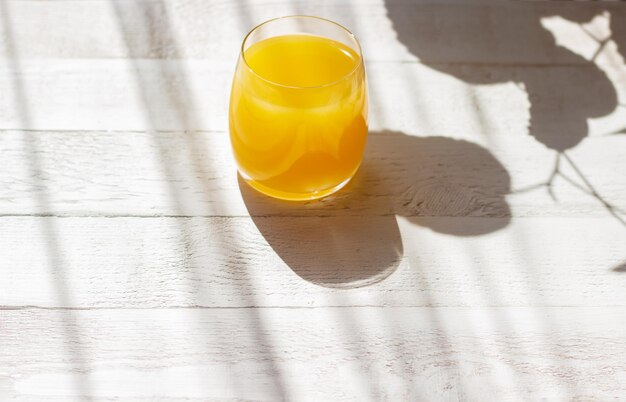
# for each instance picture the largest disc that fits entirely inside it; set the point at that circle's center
(479, 254)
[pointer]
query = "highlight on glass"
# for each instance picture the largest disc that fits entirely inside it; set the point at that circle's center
(298, 108)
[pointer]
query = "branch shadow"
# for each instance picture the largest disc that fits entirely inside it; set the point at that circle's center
(352, 239)
(618, 35)
(620, 268)
(479, 46)
(618, 32)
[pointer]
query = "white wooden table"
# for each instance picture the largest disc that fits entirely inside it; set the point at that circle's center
(479, 254)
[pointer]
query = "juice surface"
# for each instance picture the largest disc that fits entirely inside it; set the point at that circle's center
(298, 115)
(301, 60)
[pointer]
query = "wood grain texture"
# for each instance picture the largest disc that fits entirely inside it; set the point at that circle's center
(484, 31)
(241, 262)
(185, 174)
(192, 95)
(479, 253)
(349, 354)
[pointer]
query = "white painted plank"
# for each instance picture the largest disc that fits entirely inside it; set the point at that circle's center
(332, 261)
(486, 31)
(547, 102)
(482, 117)
(185, 174)
(352, 354)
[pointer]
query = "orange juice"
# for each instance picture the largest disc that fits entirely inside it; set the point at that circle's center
(298, 115)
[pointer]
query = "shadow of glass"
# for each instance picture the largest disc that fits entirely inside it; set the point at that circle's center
(352, 239)
(333, 250)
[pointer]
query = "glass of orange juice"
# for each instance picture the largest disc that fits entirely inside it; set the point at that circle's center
(298, 108)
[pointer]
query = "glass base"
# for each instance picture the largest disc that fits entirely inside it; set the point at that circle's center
(283, 195)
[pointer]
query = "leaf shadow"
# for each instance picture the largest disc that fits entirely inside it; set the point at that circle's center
(480, 45)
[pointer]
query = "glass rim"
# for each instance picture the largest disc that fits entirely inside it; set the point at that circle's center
(328, 84)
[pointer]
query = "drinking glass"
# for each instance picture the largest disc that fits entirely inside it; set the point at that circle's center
(298, 108)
